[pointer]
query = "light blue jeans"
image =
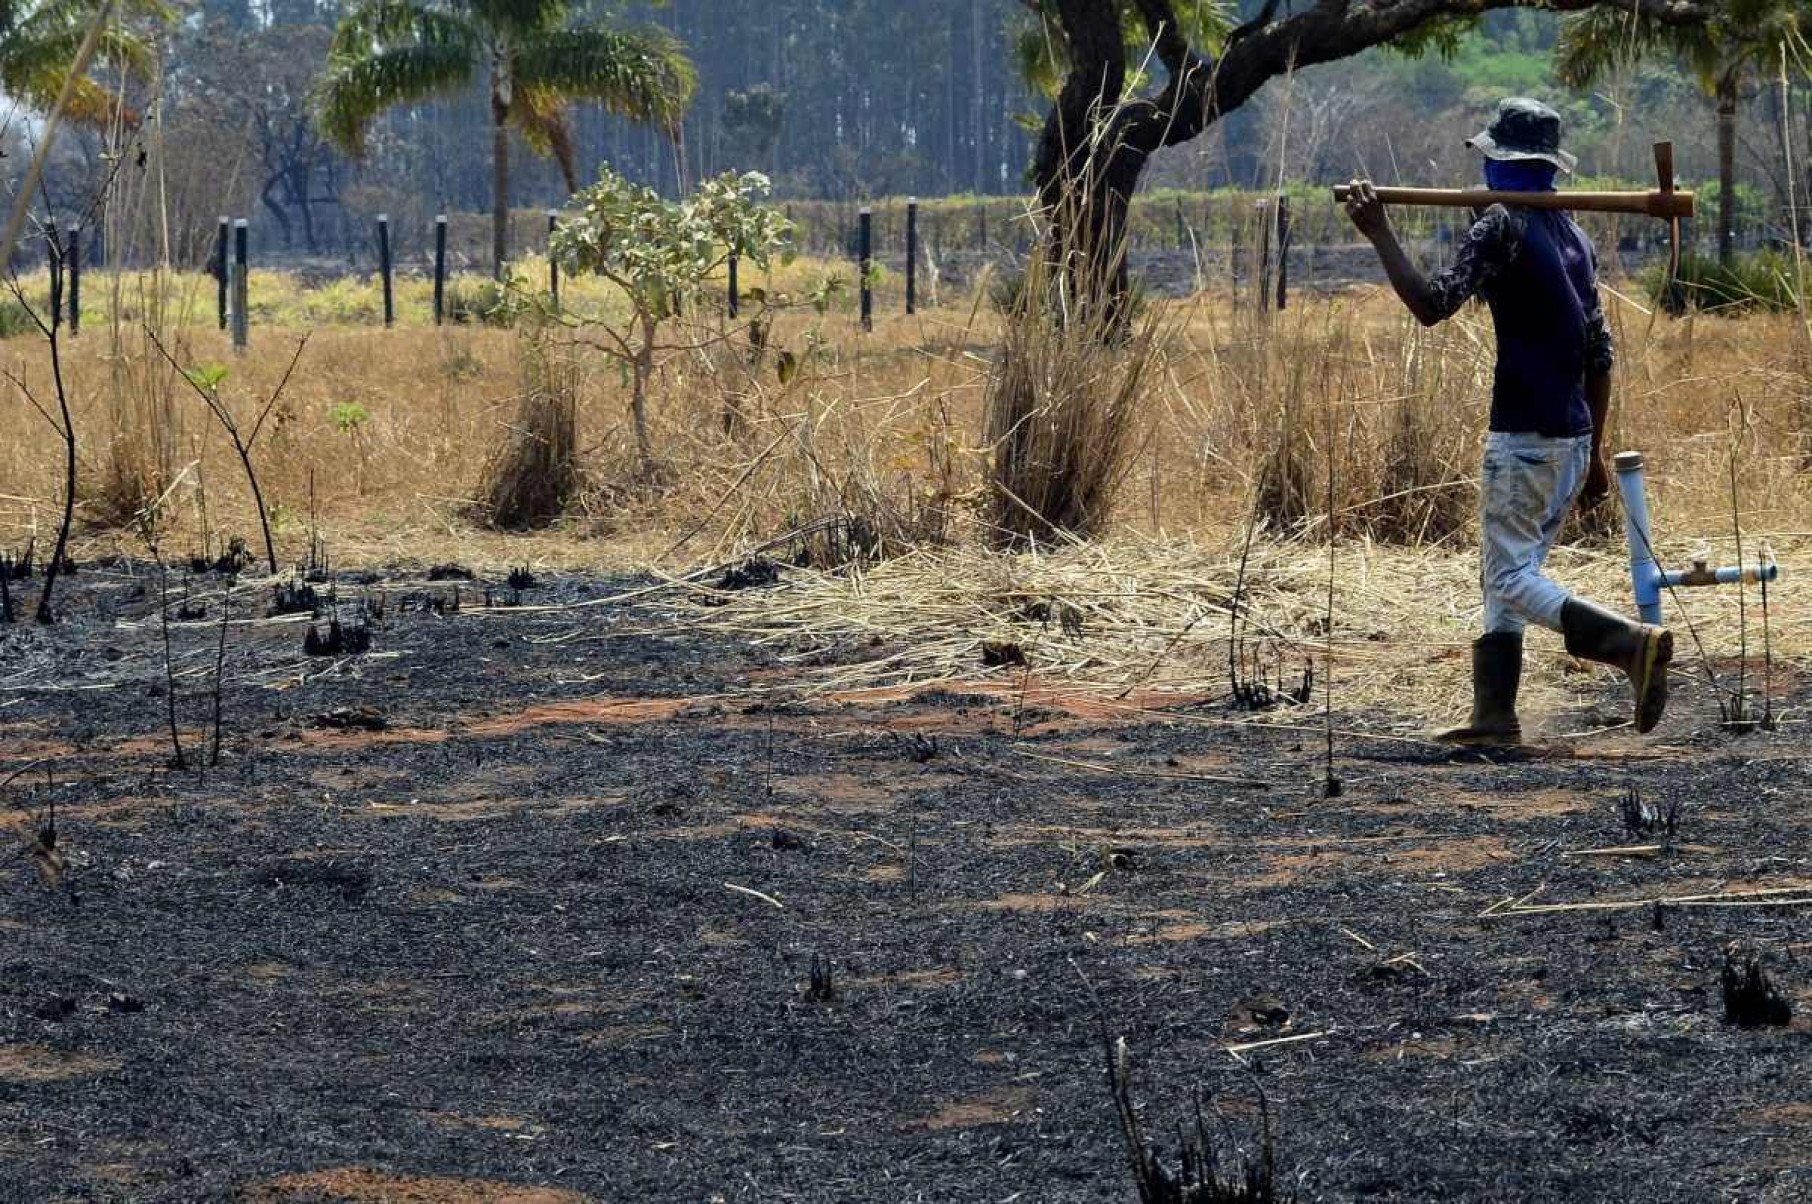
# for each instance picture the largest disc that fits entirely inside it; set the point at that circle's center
(1527, 485)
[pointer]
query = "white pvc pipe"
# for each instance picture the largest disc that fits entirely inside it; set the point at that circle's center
(1748, 574)
(1645, 575)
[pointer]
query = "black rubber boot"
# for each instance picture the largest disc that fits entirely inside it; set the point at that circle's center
(1642, 651)
(1497, 670)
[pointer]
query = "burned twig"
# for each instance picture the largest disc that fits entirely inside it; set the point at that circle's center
(1768, 721)
(351, 638)
(46, 857)
(1330, 785)
(243, 442)
(63, 424)
(822, 987)
(1643, 818)
(226, 607)
(177, 760)
(1203, 1175)
(1751, 999)
(293, 598)
(1738, 716)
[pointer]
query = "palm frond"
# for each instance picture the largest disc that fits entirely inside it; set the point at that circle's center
(640, 74)
(1205, 24)
(355, 90)
(541, 116)
(1593, 42)
(1038, 52)
(1041, 54)
(519, 18)
(38, 44)
(378, 25)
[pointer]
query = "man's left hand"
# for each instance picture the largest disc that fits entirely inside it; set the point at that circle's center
(1597, 483)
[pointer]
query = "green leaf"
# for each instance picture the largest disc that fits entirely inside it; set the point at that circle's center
(348, 417)
(207, 376)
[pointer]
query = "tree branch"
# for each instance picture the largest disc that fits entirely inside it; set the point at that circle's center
(1331, 30)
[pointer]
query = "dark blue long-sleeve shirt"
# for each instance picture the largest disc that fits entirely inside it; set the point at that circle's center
(1538, 272)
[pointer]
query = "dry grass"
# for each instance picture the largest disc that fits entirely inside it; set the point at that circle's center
(535, 472)
(1063, 404)
(891, 428)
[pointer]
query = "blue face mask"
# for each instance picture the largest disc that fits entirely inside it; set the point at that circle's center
(1519, 175)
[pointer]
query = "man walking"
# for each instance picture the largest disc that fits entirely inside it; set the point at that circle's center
(1550, 398)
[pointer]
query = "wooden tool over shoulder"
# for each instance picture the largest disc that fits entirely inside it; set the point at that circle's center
(1664, 202)
(1654, 204)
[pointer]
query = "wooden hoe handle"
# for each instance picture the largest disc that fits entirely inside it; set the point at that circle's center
(1660, 203)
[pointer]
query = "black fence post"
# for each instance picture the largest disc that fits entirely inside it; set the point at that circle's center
(383, 251)
(735, 291)
(1283, 251)
(912, 255)
(74, 253)
(223, 271)
(440, 268)
(865, 242)
(1263, 284)
(1235, 248)
(553, 268)
(241, 288)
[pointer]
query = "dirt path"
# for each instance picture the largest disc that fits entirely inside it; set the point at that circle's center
(549, 935)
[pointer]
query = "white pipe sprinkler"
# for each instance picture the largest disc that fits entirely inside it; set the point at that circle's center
(1645, 574)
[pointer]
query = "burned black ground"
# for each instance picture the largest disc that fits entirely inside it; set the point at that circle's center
(487, 936)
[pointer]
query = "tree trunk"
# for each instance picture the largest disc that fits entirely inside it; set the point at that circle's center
(500, 195)
(276, 209)
(638, 399)
(309, 236)
(1089, 159)
(500, 165)
(1727, 115)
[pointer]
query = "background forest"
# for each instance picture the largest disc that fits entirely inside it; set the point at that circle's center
(845, 100)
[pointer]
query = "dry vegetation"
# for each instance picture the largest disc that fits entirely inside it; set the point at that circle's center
(1234, 420)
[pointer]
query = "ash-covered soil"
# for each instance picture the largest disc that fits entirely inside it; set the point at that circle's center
(562, 904)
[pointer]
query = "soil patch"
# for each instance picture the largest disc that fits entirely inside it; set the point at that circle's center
(36, 1064)
(361, 1185)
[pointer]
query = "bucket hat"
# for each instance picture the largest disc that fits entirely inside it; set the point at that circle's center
(1524, 129)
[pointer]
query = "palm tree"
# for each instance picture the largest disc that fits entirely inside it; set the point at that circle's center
(1721, 51)
(537, 60)
(39, 42)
